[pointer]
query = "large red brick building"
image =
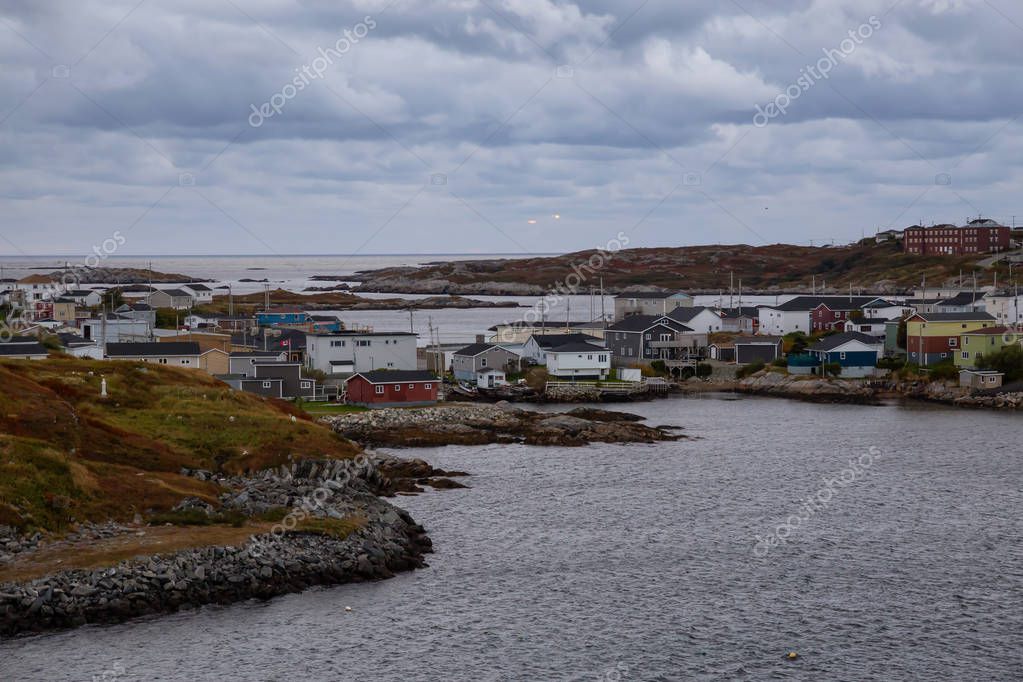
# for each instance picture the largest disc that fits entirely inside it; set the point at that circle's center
(385, 388)
(977, 236)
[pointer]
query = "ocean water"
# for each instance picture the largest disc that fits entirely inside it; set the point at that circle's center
(294, 273)
(641, 562)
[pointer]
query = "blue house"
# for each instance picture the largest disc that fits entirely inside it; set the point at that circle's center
(283, 315)
(855, 353)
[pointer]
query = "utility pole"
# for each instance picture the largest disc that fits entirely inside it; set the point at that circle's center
(603, 317)
(411, 324)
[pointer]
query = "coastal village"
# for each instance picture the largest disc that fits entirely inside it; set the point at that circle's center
(653, 341)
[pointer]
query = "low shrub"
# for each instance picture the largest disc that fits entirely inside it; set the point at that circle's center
(747, 370)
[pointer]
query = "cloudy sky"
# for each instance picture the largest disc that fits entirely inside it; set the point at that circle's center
(440, 126)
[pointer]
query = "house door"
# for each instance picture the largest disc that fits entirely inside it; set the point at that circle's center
(490, 381)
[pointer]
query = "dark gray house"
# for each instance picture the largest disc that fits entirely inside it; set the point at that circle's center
(750, 349)
(243, 362)
(477, 357)
(641, 339)
(270, 375)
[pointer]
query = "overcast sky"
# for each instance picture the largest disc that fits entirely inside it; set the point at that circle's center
(439, 126)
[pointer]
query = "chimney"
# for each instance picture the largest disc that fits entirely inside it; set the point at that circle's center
(480, 338)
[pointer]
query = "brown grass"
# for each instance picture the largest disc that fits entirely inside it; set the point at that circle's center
(109, 552)
(67, 455)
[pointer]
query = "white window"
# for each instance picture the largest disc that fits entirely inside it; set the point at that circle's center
(966, 355)
(185, 362)
(429, 386)
(841, 356)
(953, 342)
(163, 361)
(267, 384)
(411, 387)
(380, 390)
(397, 387)
(305, 384)
(483, 362)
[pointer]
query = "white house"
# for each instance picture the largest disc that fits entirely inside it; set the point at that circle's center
(1005, 307)
(699, 319)
(491, 377)
(172, 353)
(177, 299)
(84, 297)
(346, 352)
(538, 345)
(37, 288)
(114, 328)
(23, 348)
(871, 326)
(200, 293)
(578, 360)
(778, 321)
(881, 308)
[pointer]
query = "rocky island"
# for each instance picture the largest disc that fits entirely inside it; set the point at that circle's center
(478, 424)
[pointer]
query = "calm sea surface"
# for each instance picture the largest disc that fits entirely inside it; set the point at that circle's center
(293, 273)
(642, 563)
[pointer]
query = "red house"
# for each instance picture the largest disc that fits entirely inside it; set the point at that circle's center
(389, 388)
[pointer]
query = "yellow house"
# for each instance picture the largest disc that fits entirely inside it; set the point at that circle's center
(934, 337)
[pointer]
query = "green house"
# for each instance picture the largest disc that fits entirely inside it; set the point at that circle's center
(983, 342)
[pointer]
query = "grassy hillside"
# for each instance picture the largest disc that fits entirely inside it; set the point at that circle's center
(66, 454)
(865, 266)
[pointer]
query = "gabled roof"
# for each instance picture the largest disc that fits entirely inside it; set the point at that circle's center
(474, 349)
(577, 348)
(650, 294)
(177, 293)
(81, 292)
(198, 287)
(743, 311)
(963, 298)
(835, 340)
(954, 317)
(883, 302)
(137, 350)
(808, 303)
(256, 354)
(989, 331)
(546, 341)
(37, 279)
(23, 349)
(640, 323)
(68, 339)
(396, 376)
(687, 314)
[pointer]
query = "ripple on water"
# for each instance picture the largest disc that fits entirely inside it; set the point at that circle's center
(636, 563)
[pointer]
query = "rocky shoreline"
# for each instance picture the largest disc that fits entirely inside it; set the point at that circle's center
(480, 424)
(382, 540)
(836, 390)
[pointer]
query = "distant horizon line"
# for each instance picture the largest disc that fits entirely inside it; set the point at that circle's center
(282, 255)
